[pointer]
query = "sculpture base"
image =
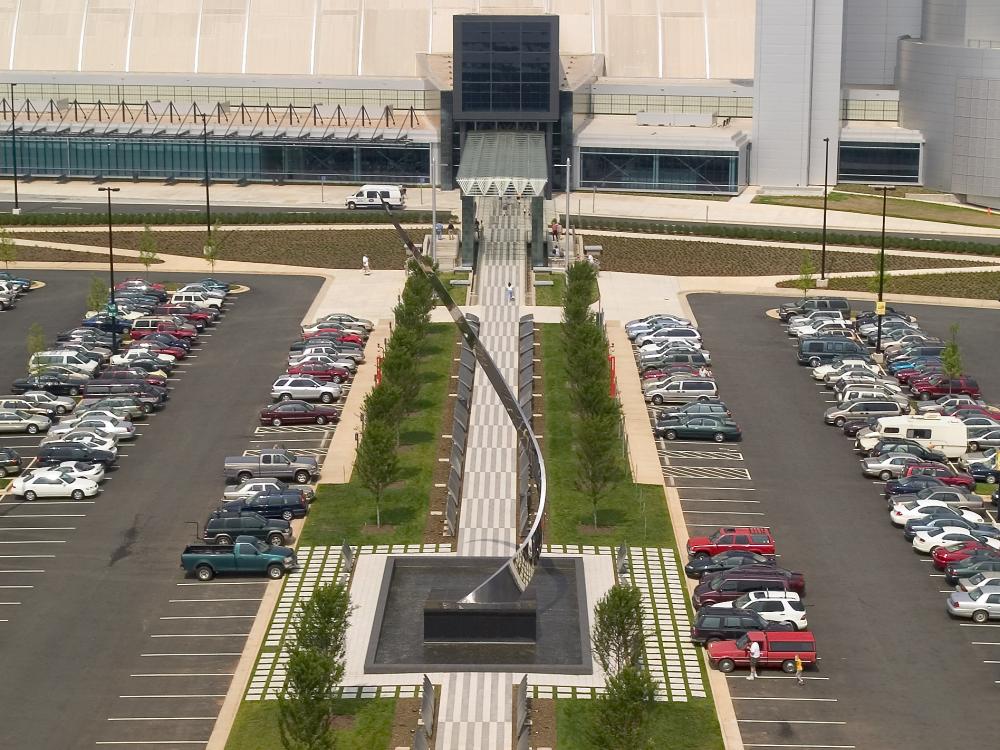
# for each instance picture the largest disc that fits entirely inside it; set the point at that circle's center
(448, 621)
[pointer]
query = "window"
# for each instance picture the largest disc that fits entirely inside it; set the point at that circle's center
(920, 434)
(711, 622)
(732, 622)
(742, 539)
(879, 162)
(759, 539)
(801, 647)
(667, 170)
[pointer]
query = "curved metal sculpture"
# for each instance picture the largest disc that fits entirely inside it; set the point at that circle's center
(512, 578)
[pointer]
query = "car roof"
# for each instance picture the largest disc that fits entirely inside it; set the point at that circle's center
(745, 530)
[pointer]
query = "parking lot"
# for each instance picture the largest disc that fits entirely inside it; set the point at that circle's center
(895, 670)
(102, 629)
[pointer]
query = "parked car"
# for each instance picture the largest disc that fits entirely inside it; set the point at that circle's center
(684, 391)
(56, 384)
(980, 605)
(888, 465)
(118, 429)
(277, 462)
(10, 462)
(354, 320)
(698, 427)
(955, 497)
(774, 606)
(306, 389)
(942, 557)
(285, 505)
(910, 485)
(131, 374)
(941, 385)
(747, 538)
(298, 412)
(943, 472)
(52, 454)
(247, 555)
(902, 513)
(987, 563)
(941, 403)
(903, 445)
(915, 525)
(705, 408)
(267, 485)
(22, 421)
(874, 407)
(48, 484)
(928, 541)
(731, 584)
(59, 404)
(75, 470)
(701, 566)
(832, 372)
(125, 407)
(777, 650)
(26, 406)
(320, 371)
(712, 624)
(788, 309)
(223, 528)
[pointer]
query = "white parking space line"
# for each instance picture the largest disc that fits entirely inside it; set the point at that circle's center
(45, 515)
(975, 624)
(38, 541)
(17, 587)
(726, 512)
(179, 695)
(24, 557)
(245, 599)
(985, 643)
(758, 698)
(788, 721)
(733, 489)
(200, 635)
(210, 653)
(38, 528)
(51, 502)
(209, 617)
(290, 440)
(182, 674)
(33, 570)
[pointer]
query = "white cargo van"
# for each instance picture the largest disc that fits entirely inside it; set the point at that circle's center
(948, 435)
(372, 195)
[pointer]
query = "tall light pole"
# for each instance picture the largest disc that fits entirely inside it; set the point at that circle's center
(13, 148)
(204, 151)
(434, 214)
(568, 189)
(826, 184)
(880, 306)
(112, 307)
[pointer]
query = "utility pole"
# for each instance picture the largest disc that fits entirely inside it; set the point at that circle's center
(568, 188)
(112, 307)
(880, 305)
(434, 220)
(204, 149)
(13, 148)
(826, 183)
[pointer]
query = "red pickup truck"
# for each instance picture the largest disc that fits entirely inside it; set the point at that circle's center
(941, 385)
(777, 650)
(753, 538)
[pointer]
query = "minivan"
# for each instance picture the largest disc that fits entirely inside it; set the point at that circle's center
(684, 391)
(101, 388)
(732, 584)
(875, 407)
(372, 195)
(866, 391)
(73, 360)
(799, 307)
(817, 351)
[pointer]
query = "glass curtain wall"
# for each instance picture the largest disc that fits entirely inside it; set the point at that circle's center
(879, 162)
(183, 158)
(661, 170)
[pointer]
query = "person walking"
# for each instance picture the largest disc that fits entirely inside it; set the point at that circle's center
(754, 652)
(451, 230)
(365, 265)
(554, 228)
(509, 291)
(798, 670)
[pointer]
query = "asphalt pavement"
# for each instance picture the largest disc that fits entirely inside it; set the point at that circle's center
(98, 603)
(895, 670)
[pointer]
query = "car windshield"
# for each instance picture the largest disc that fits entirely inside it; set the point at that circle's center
(977, 579)
(975, 593)
(716, 583)
(742, 602)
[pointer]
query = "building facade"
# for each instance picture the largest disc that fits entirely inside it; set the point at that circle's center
(684, 96)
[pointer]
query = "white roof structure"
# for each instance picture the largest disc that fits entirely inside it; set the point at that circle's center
(622, 132)
(503, 163)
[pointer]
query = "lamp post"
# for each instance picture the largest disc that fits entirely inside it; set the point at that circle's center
(568, 189)
(112, 307)
(880, 305)
(826, 184)
(13, 148)
(204, 150)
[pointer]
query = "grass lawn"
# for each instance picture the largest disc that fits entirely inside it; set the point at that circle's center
(684, 726)
(256, 726)
(898, 207)
(342, 511)
(458, 293)
(985, 488)
(620, 516)
(976, 285)
(707, 258)
(551, 296)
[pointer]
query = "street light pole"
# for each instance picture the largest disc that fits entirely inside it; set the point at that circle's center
(113, 308)
(880, 307)
(826, 183)
(568, 188)
(204, 149)
(13, 148)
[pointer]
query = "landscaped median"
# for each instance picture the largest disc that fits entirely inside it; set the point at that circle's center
(971, 285)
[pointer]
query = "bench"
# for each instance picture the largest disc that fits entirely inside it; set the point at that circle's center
(460, 282)
(544, 282)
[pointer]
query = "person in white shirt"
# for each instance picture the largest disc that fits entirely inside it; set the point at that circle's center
(754, 652)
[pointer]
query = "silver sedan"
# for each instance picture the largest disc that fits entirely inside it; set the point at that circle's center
(22, 421)
(887, 466)
(980, 604)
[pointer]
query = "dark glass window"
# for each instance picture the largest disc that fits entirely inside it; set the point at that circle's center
(660, 170)
(879, 162)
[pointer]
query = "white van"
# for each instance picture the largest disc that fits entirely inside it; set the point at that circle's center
(372, 195)
(198, 299)
(948, 435)
(65, 358)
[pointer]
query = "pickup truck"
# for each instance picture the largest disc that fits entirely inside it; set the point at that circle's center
(276, 462)
(247, 555)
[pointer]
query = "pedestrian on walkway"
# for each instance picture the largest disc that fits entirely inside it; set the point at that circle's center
(554, 228)
(798, 670)
(365, 266)
(439, 230)
(754, 652)
(451, 230)
(509, 291)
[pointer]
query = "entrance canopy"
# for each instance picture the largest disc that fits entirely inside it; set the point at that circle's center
(503, 164)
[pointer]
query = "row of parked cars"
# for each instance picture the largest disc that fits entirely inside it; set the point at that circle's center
(87, 390)
(250, 531)
(11, 288)
(929, 436)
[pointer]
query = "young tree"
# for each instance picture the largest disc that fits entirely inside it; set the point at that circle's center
(399, 367)
(8, 250)
(321, 624)
(304, 709)
(97, 295)
(35, 343)
(621, 715)
(617, 636)
(147, 248)
(807, 273)
(598, 461)
(951, 357)
(873, 284)
(384, 403)
(377, 465)
(213, 245)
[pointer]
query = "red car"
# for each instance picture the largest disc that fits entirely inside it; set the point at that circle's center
(777, 650)
(671, 370)
(940, 471)
(974, 411)
(347, 338)
(127, 373)
(320, 371)
(753, 538)
(298, 412)
(154, 346)
(171, 328)
(133, 282)
(942, 385)
(190, 313)
(945, 556)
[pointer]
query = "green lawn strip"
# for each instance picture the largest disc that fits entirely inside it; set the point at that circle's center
(901, 208)
(256, 725)
(707, 258)
(974, 285)
(197, 218)
(5, 481)
(341, 511)
(569, 511)
(985, 488)
(37, 254)
(689, 726)
(551, 296)
(458, 293)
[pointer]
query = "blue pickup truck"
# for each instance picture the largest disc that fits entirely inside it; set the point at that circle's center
(246, 555)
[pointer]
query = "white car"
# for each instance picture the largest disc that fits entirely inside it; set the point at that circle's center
(364, 323)
(928, 541)
(74, 470)
(345, 363)
(212, 293)
(307, 389)
(93, 438)
(903, 512)
(139, 352)
(60, 404)
(773, 606)
(113, 427)
(868, 378)
(264, 484)
(823, 328)
(689, 336)
(651, 322)
(53, 484)
(94, 413)
(833, 369)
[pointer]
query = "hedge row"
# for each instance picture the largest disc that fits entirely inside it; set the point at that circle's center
(775, 234)
(227, 218)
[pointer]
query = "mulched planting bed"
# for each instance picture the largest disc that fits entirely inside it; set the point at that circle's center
(975, 285)
(317, 248)
(57, 255)
(683, 258)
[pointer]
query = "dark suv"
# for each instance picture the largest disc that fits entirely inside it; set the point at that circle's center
(286, 505)
(223, 528)
(902, 445)
(53, 454)
(726, 624)
(721, 587)
(10, 462)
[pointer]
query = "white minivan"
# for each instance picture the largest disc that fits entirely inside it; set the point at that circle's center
(66, 358)
(372, 195)
(947, 435)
